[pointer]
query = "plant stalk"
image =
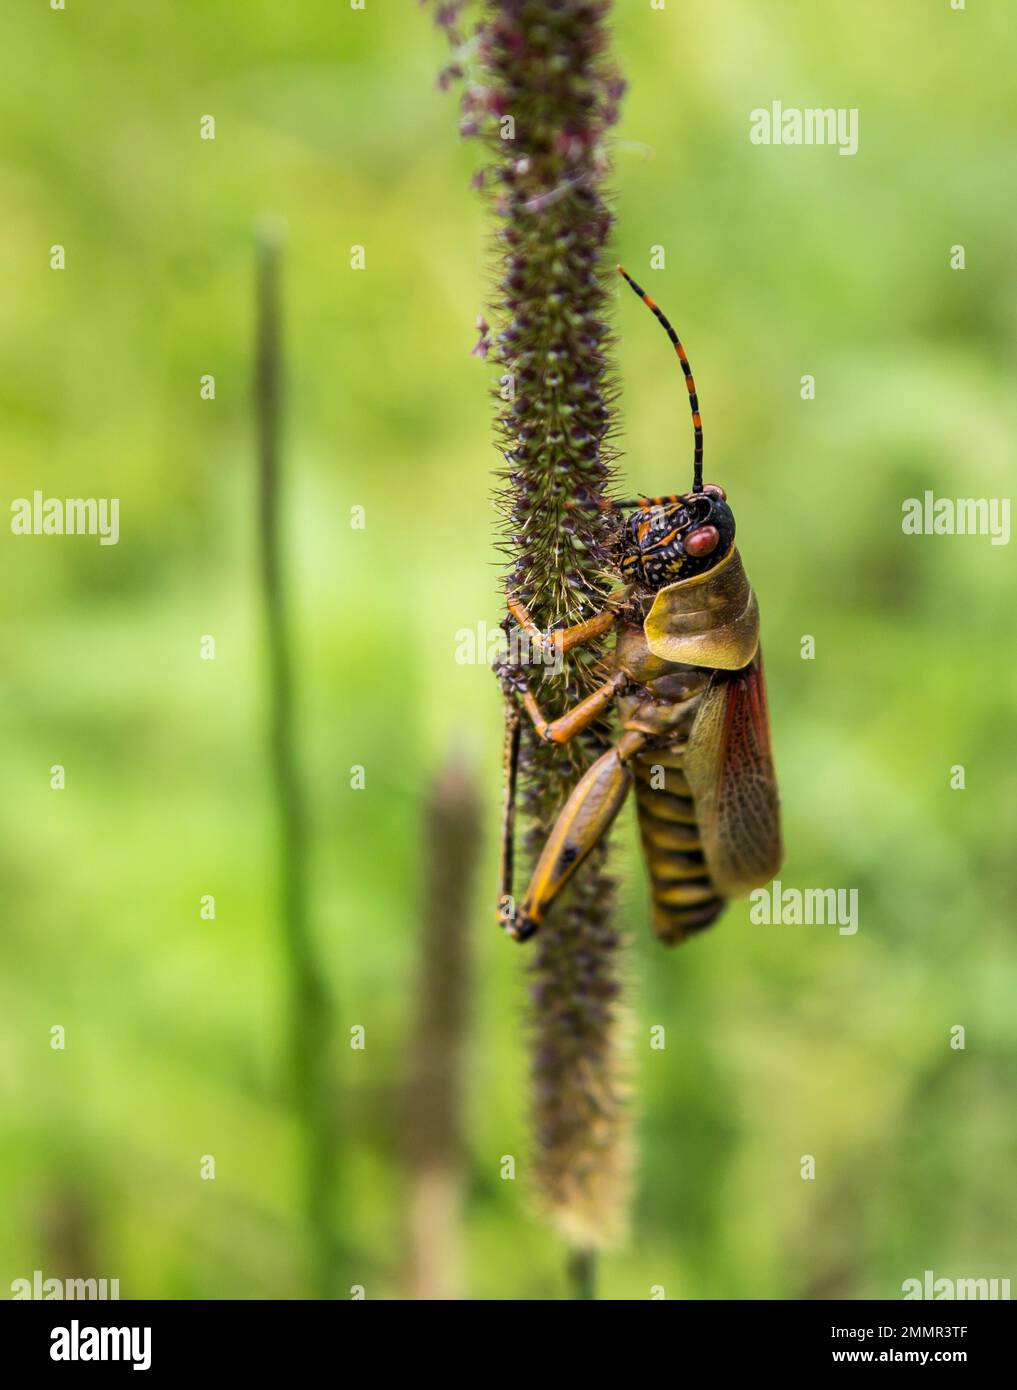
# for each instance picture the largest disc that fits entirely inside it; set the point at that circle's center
(308, 1031)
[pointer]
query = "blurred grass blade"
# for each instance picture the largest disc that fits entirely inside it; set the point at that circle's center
(434, 1148)
(307, 1003)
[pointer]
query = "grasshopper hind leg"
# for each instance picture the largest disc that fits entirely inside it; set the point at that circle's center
(581, 825)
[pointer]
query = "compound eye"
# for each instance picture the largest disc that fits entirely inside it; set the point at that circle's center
(715, 490)
(702, 541)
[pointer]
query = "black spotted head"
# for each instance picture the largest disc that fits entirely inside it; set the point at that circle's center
(671, 538)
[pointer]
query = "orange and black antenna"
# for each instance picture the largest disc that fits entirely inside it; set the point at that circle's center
(690, 381)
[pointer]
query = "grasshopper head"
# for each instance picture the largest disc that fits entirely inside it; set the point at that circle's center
(677, 538)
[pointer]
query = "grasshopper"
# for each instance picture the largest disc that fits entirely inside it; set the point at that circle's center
(686, 678)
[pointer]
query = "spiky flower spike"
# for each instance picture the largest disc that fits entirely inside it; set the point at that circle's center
(543, 101)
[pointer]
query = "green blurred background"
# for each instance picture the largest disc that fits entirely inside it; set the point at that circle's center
(782, 1041)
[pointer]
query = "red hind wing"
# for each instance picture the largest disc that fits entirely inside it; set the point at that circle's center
(729, 765)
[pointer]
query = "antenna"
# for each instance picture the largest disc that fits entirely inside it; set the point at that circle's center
(690, 381)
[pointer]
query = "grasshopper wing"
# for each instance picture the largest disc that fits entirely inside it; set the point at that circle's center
(729, 767)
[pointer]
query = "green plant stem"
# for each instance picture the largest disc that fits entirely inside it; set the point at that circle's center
(582, 1273)
(308, 1002)
(436, 1147)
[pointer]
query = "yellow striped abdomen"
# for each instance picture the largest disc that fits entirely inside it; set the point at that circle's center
(684, 897)
(664, 709)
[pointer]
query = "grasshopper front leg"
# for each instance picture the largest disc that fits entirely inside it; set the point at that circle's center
(579, 717)
(560, 639)
(508, 823)
(584, 819)
(588, 710)
(562, 730)
(559, 731)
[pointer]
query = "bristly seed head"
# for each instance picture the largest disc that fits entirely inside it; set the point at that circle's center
(550, 97)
